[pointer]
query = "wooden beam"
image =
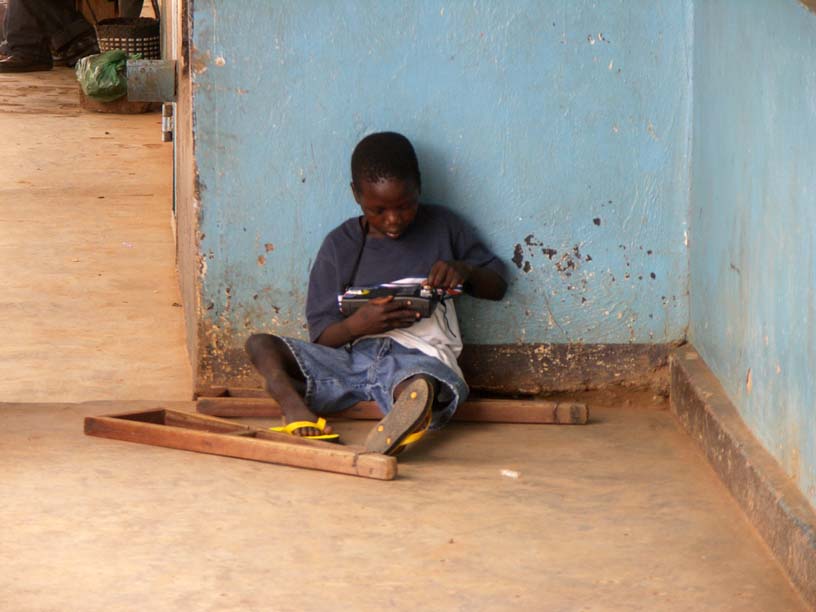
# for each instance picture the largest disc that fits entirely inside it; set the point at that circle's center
(218, 437)
(238, 407)
(481, 410)
(202, 423)
(220, 391)
(495, 410)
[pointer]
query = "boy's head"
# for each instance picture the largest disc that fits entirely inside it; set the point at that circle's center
(384, 155)
(386, 183)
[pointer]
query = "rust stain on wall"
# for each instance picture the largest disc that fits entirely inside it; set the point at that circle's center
(199, 60)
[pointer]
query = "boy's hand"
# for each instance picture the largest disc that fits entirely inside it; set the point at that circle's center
(380, 315)
(449, 274)
(478, 282)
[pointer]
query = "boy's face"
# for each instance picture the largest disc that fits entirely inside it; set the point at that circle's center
(389, 206)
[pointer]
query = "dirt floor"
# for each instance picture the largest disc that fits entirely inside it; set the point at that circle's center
(87, 255)
(620, 514)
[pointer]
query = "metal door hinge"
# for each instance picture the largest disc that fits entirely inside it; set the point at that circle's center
(151, 80)
(168, 121)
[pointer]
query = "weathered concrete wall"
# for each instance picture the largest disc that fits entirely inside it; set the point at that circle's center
(561, 129)
(753, 312)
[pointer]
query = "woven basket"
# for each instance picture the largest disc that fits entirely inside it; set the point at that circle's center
(140, 35)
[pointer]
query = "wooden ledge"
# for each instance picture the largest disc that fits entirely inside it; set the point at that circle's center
(247, 402)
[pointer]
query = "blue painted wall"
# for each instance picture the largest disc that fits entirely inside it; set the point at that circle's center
(753, 218)
(561, 129)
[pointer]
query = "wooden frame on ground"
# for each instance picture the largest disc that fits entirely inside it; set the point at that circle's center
(205, 434)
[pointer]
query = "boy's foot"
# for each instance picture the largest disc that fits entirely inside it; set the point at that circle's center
(294, 410)
(411, 412)
(294, 428)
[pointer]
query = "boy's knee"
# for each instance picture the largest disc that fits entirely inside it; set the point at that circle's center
(433, 383)
(258, 343)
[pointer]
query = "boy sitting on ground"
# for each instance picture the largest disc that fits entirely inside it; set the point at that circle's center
(383, 351)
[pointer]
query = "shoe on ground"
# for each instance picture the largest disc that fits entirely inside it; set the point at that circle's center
(80, 47)
(20, 63)
(407, 421)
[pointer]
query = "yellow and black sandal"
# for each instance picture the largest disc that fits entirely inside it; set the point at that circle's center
(406, 423)
(320, 425)
(412, 437)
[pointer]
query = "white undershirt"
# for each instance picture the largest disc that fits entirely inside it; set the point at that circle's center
(436, 336)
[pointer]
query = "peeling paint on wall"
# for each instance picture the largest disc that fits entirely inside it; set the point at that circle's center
(527, 153)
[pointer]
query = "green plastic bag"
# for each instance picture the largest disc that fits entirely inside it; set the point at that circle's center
(103, 77)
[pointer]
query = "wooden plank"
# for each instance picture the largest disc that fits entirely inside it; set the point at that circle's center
(220, 391)
(210, 391)
(190, 420)
(146, 416)
(490, 410)
(246, 392)
(202, 423)
(238, 407)
(481, 410)
(268, 447)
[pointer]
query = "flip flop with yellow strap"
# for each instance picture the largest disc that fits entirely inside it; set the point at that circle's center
(412, 437)
(407, 422)
(320, 424)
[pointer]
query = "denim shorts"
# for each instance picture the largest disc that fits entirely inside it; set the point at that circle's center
(370, 369)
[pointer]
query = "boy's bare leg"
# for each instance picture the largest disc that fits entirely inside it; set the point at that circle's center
(284, 380)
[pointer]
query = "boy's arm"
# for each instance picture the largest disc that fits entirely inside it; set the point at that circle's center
(377, 316)
(472, 265)
(479, 282)
(326, 325)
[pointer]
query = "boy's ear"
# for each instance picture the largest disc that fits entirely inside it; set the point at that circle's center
(357, 196)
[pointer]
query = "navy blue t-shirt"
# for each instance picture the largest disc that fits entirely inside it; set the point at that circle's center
(436, 234)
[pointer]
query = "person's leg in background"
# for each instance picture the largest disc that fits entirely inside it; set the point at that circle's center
(130, 8)
(72, 37)
(4, 29)
(26, 45)
(33, 27)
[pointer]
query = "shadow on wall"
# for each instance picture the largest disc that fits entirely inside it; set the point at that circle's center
(436, 189)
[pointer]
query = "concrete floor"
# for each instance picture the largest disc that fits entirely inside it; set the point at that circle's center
(86, 250)
(621, 514)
